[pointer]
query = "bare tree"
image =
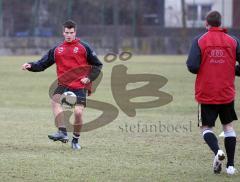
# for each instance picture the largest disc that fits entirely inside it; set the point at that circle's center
(116, 26)
(184, 28)
(1, 19)
(183, 13)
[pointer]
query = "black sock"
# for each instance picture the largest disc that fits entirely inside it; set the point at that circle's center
(230, 143)
(64, 130)
(75, 138)
(212, 142)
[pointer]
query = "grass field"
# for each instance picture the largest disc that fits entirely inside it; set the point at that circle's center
(119, 151)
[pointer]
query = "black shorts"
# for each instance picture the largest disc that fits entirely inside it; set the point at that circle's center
(80, 93)
(210, 112)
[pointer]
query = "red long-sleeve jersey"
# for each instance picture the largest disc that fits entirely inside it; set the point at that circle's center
(74, 61)
(213, 57)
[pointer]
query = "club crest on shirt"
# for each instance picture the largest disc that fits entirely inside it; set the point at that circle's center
(75, 50)
(60, 49)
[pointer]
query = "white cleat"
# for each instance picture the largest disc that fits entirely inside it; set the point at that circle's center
(217, 162)
(76, 146)
(231, 170)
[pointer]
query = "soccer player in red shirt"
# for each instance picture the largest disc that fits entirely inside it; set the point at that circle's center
(77, 66)
(213, 57)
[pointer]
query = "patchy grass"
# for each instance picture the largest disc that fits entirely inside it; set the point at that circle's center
(158, 144)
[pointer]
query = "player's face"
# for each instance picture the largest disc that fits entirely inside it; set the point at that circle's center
(69, 34)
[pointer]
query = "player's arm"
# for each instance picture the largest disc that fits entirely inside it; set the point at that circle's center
(194, 57)
(93, 60)
(46, 61)
(237, 68)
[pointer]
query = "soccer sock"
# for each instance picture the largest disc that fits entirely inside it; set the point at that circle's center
(63, 129)
(211, 140)
(75, 138)
(230, 144)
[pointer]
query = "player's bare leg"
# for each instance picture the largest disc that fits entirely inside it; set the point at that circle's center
(61, 135)
(57, 111)
(78, 113)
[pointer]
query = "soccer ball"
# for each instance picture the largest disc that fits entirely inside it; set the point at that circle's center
(68, 99)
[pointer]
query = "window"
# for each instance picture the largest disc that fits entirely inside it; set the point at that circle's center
(151, 12)
(205, 10)
(192, 12)
(196, 14)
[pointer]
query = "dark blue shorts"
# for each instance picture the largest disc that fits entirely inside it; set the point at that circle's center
(80, 93)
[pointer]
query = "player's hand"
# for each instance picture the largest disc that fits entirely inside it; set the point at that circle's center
(25, 66)
(85, 80)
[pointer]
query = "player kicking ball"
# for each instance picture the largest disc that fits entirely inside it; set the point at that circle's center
(77, 66)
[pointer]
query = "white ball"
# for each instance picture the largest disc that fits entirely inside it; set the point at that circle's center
(69, 98)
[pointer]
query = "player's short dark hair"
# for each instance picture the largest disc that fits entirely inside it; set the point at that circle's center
(214, 18)
(69, 24)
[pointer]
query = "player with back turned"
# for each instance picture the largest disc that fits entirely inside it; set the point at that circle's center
(213, 57)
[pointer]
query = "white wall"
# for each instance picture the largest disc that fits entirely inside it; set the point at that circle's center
(225, 7)
(173, 14)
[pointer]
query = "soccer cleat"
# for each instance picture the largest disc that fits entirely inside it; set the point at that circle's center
(76, 146)
(59, 136)
(217, 162)
(230, 170)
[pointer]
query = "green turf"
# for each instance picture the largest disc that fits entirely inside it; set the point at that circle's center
(112, 152)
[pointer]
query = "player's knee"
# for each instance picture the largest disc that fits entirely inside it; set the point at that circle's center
(206, 130)
(78, 111)
(228, 127)
(229, 130)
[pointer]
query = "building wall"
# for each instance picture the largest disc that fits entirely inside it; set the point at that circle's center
(173, 13)
(236, 13)
(225, 7)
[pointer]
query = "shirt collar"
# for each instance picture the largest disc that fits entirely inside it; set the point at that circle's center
(217, 29)
(73, 42)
